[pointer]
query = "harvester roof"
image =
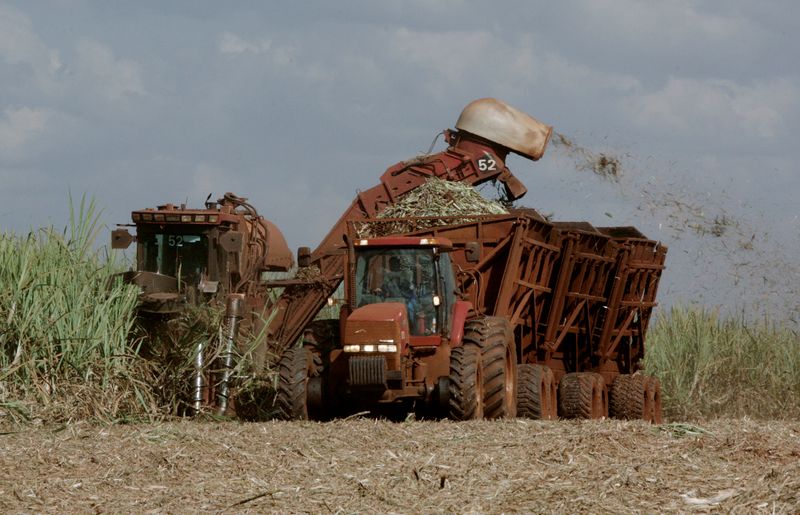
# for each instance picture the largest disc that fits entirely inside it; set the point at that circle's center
(170, 213)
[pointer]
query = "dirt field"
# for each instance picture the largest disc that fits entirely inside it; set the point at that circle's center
(413, 467)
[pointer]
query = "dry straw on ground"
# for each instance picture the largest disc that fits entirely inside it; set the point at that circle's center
(368, 466)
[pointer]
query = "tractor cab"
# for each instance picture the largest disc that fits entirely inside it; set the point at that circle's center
(406, 279)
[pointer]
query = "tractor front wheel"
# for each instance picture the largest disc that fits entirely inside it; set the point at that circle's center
(299, 390)
(465, 400)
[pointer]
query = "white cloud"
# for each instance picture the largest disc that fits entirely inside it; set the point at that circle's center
(711, 106)
(431, 51)
(287, 59)
(115, 78)
(232, 44)
(676, 23)
(449, 61)
(20, 126)
(20, 45)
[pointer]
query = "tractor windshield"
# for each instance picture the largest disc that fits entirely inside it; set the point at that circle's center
(408, 276)
(184, 256)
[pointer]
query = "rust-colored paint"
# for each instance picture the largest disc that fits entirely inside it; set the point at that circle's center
(462, 161)
(238, 246)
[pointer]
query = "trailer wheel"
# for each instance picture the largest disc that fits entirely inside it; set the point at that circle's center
(630, 398)
(654, 396)
(494, 337)
(535, 392)
(299, 385)
(465, 401)
(583, 395)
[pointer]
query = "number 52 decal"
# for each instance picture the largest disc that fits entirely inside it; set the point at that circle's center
(487, 163)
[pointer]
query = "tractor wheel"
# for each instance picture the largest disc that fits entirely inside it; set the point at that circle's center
(299, 385)
(583, 395)
(465, 401)
(654, 396)
(630, 398)
(535, 392)
(494, 337)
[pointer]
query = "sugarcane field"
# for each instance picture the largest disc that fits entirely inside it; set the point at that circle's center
(398, 260)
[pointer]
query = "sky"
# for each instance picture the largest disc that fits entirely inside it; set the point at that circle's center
(298, 105)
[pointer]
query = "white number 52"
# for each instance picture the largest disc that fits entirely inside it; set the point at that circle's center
(487, 164)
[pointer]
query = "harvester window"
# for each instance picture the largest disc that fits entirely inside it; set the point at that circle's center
(184, 256)
(400, 275)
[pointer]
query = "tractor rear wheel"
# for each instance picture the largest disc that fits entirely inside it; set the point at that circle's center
(630, 398)
(465, 401)
(583, 395)
(299, 385)
(494, 337)
(535, 392)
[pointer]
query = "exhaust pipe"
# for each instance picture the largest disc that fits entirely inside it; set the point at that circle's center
(233, 315)
(200, 384)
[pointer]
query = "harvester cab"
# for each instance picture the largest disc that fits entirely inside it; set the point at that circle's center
(192, 256)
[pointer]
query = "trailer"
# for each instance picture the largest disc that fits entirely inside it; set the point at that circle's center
(504, 315)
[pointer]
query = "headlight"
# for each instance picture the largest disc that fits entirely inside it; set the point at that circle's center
(383, 347)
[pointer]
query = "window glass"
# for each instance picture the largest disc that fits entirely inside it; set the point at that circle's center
(400, 275)
(184, 256)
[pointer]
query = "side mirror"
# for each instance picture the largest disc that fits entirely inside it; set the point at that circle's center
(303, 257)
(472, 252)
(121, 239)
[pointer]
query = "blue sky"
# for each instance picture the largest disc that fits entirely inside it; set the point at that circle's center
(297, 105)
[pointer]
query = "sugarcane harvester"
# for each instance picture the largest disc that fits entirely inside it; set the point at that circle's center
(490, 317)
(217, 256)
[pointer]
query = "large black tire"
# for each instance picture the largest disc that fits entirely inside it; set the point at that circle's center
(466, 383)
(583, 395)
(297, 367)
(629, 398)
(535, 397)
(494, 337)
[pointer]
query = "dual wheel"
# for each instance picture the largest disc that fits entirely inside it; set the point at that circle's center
(585, 395)
(636, 397)
(483, 372)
